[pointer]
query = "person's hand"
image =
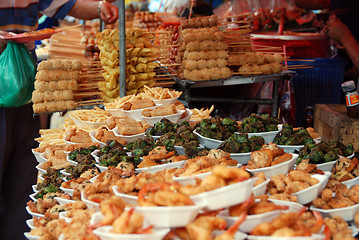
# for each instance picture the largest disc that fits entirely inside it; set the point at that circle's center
(336, 30)
(108, 12)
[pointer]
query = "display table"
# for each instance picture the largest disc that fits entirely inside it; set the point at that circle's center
(187, 85)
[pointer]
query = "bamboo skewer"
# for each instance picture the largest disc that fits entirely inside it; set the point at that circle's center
(238, 15)
(230, 22)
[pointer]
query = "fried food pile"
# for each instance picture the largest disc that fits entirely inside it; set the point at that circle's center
(292, 182)
(56, 81)
(255, 63)
(140, 62)
(345, 169)
(163, 110)
(202, 50)
(269, 155)
(342, 197)
(127, 126)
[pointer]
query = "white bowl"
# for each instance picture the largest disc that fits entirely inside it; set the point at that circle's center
(37, 156)
(72, 162)
(225, 196)
(350, 156)
(261, 188)
(167, 101)
(96, 156)
(63, 172)
(95, 140)
(128, 138)
(105, 234)
(291, 149)
(34, 188)
(31, 237)
(135, 114)
(102, 168)
(40, 169)
(63, 201)
(115, 112)
(326, 167)
(351, 182)
(251, 220)
(188, 116)
(242, 158)
(90, 204)
(38, 215)
(172, 216)
(313, 237)
(42, 158)
(293, 206)
(160, 167)
(268, 136)
(309, 194)
(69, 191)
(132, 200)
(32, 196)
(87, 124)
(30, 223)
(347, 213)
(173, 118)
(208, 142)
(190, 179)
(317, 140)
(281, 168)
(237, 236)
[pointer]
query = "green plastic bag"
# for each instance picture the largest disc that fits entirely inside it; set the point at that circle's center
(17, 75)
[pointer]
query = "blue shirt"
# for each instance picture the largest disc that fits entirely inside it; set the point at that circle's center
(22, 15)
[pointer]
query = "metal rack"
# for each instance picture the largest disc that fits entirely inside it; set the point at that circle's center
(187, 85)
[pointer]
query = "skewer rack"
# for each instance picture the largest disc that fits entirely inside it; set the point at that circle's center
(187, 85)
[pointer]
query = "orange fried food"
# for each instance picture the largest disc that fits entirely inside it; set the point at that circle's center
(164, 110)
(260, 159)
(147, 162)
(282, 158)
(159, 153)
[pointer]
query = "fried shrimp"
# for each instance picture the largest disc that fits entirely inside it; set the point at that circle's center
(226, 173)
(161, 194)
(111, 208)
(129, 222)
(202, 227)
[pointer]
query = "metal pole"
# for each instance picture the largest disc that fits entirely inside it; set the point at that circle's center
(102, 25)
(122, 47)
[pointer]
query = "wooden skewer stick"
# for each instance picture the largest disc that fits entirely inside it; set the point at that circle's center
(301, 60)
(230, 22)
(236, 27)
(247, 73)
(300, 67)
(239, 15)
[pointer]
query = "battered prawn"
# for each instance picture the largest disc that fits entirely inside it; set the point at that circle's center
(160, 194)
(128, 223)
(229, 234)
(202, 227)
(227, 173)
(111, 208)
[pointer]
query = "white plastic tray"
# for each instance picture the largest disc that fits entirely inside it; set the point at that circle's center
(208, 142)
(173, 216)
(309, 194)
(290, 149)
(241, 158)
(326, 167)
(347, 213)
(105, 234)
(251, 220)
(225, 196)
(130, 199)
(173, 118)
(128, 138)
(268, 136)
(90, 204)
(160, 167)
(281, 168)
(261, 188)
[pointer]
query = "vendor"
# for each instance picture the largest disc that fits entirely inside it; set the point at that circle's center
(18, 126)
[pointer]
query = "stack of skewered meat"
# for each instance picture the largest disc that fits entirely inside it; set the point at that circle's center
(147, 21)
(55, 82)
(202, 50)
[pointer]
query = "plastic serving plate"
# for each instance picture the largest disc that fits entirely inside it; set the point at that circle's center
(281, 168)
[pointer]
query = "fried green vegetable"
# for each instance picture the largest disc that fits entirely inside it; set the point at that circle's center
(239, 143)
(258, 123)
(217, 128)
(290, 136)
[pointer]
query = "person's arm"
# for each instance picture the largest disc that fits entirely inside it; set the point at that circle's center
(312, 4)
(339, 32)
(91, 9)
